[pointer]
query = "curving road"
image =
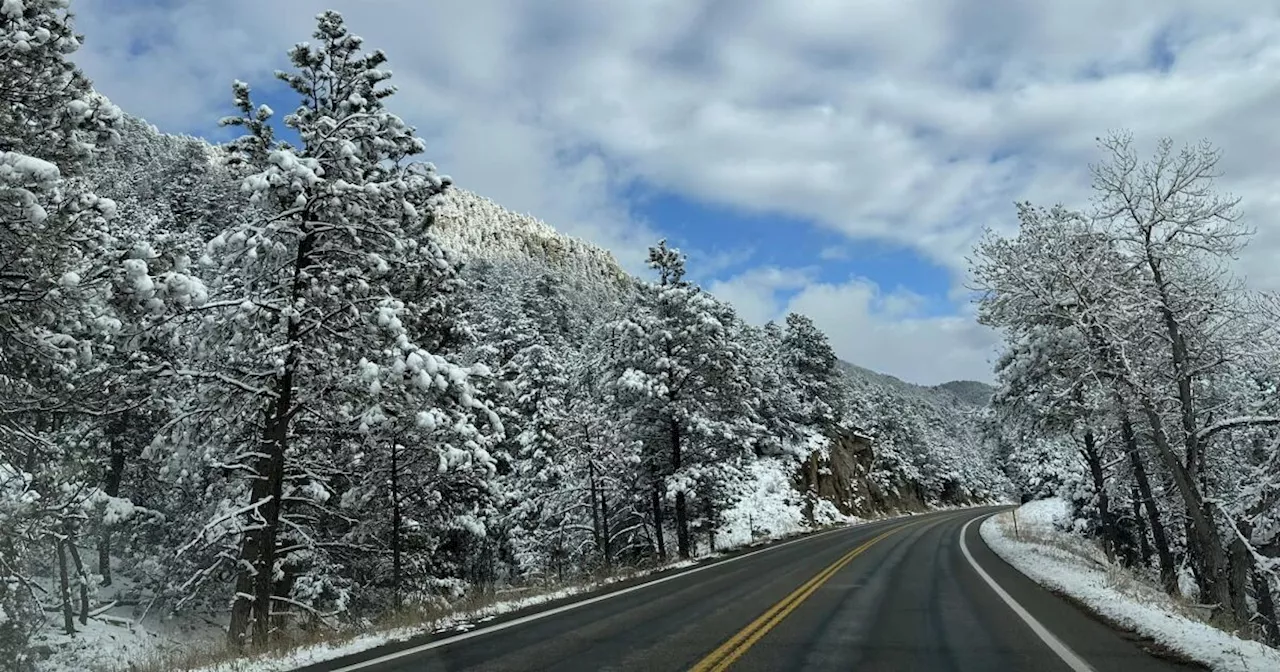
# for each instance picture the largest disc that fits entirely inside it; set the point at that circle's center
(893, 595)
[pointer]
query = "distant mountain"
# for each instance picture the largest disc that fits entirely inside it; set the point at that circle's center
(969, 391)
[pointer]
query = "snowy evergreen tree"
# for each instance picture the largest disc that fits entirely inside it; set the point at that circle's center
(317, 335)
(57, 266)
(812, 364)
(683, 375)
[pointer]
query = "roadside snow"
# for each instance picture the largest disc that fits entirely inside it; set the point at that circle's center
(767, 506)
(1049, 555)
(119, 633)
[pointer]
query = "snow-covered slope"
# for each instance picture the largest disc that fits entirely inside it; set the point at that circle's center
(969, 391)
(475, 227)
(928, 445)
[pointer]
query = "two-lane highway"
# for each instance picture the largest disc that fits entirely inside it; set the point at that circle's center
(902, 594)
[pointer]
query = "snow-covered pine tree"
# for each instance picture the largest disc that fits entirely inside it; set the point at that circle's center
(775, 393)
(55, 273)
(317, 338)
(682, 377)
(812, 365)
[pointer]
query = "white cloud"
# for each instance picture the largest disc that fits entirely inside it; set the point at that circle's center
(868, 328)
(756, 293)
(834, 253)
(705, 266)
(914, 122)
(881, 330)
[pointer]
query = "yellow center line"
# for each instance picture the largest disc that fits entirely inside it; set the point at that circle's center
(727, 653)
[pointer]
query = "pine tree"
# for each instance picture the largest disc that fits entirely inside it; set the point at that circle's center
(322, 336)
(57, 265)
(812, 365)
(678, 365)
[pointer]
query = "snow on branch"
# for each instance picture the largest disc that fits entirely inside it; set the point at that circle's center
(1242, 421)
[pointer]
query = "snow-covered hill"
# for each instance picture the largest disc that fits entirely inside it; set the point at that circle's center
(475, 227)
(969, 391)
(927, 441)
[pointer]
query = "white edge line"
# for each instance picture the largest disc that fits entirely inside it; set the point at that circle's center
(395, 655)
(1073, 660)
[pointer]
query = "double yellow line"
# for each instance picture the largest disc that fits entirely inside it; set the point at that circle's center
(727, 653)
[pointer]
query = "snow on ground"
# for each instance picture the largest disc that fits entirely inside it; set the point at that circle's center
(1048, 554)
(121, 632)
(112, 643)
(768, 506)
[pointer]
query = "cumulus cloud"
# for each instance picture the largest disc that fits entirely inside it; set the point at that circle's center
(756, 293)
(912, 122)
(870, 327)
(884, 330)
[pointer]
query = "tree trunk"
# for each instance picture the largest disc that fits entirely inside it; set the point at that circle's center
(711, 524)
(64, 588)
(1168, 569)
(1144, 542)
(655, 499)
(1208, 540)
(598, 534)
(111, 486)
(395, 526)
(1105, 520)
(1240, 573)
(261, 554)
(682, 526)
(607, 531)
(1205, 540)
(82, 579)
(682, 505)
(242, 602)
(1266, 607)
(811, 499)
(264, 585)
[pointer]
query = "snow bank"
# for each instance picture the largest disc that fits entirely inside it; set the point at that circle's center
(767, 506)
(101, 644)
(119, 634)
(1063, 562)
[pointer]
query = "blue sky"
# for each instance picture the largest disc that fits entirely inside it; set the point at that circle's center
(830, 157)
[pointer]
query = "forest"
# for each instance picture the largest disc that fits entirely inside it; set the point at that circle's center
(301, 381)
(1138, 376)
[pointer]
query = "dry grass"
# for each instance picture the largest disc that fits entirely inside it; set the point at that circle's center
(1139, 584)
(1086, 552)
(404, 623)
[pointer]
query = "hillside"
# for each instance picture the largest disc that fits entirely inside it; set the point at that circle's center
(969, 391)
(456, 403)
(477, 228)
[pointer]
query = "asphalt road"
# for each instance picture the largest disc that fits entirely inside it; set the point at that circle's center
(894, 595)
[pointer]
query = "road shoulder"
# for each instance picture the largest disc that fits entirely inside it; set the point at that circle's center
(1079, 575)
